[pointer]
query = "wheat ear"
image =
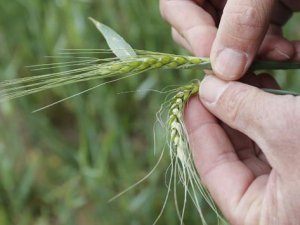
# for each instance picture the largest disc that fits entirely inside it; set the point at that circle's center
(95, 69)
(127, 61)
(182, 163)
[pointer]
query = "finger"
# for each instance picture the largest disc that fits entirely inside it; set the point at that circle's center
(263, 80)
(281, 14)
(219, 4)
(193, 23)
(180, 40)
(246, 149)
(212, 11)
(275, 47)
(198, 2)
(259, 115)
(267, 81)
(293, 5)
(296, 45)
(243, 26)
(251, 79)
(248, 152)
(215, 159)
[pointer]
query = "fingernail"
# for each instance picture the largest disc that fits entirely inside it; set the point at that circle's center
(211, 88)
(230, 64)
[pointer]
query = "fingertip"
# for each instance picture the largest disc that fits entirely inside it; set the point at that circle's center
(211, 89)
(242, 28)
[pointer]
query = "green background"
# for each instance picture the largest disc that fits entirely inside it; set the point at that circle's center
(63, 164)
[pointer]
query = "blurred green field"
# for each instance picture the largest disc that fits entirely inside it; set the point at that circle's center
(63, 164)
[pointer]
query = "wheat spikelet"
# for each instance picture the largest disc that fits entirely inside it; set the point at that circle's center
(182, 165)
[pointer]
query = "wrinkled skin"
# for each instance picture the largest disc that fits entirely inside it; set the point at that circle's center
(241, 29)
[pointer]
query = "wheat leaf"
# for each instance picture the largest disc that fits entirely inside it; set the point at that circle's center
(116, 43)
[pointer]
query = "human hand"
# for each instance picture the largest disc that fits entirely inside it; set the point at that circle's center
(248, 158)
(232, 32)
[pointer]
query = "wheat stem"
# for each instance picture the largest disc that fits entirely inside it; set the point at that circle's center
(256, 65)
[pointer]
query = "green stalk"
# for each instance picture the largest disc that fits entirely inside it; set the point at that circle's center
(257, 65)
(274, 65)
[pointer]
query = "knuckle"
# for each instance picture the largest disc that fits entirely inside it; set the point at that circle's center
(247, 21)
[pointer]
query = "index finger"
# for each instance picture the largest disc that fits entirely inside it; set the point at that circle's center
(225, 176)
(192, 22)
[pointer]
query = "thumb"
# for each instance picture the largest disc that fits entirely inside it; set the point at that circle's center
(271, 121)
(242, 28)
